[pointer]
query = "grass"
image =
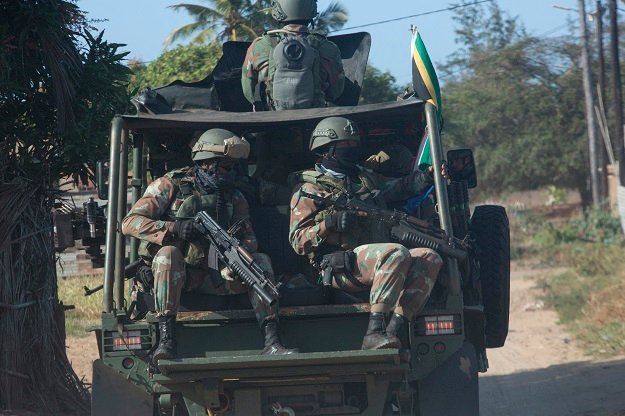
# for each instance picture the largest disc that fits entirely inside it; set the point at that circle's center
(88, 309)
(590, 295)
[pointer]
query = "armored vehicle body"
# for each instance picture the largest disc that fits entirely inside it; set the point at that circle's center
(219, 369)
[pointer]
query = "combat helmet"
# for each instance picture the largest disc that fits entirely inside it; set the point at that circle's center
(285, 11)
(332, 130)
(220, 143)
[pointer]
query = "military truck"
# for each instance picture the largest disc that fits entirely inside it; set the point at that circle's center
(219, 369)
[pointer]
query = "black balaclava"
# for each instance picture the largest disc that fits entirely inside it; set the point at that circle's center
(211, 179)
(342, 160)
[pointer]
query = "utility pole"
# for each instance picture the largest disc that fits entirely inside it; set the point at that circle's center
(601, 151)
(590, 106)
(616, 87)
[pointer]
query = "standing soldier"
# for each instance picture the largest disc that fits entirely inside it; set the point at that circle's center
(400, 280)
(163, 220)
(292, 67)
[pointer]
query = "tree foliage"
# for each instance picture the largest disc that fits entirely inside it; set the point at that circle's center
(378, 87)
(222, 20)
(517, 101)
(187, 63)
(59, 88)
(241, 20)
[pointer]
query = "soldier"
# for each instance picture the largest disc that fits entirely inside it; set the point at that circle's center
(292, 67)
(163, 220)
(400, 280)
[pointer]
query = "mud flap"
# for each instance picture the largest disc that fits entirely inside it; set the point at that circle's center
(452, 389)
(114, 395)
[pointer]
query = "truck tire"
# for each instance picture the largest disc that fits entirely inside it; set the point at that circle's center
(491, 229)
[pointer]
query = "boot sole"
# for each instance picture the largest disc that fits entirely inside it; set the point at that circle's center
(384, 345)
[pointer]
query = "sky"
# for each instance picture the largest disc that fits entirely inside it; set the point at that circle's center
(143, 25)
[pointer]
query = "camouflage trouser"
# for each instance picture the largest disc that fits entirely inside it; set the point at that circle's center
(172, 276)
(400, 280)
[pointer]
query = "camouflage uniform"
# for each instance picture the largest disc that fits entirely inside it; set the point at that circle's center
(256, 65)
(399, 279)
(178, 265)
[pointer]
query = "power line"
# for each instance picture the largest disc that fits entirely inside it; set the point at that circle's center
(411, 16)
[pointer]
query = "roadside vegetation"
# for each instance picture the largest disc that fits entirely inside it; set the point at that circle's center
(87, 309)
(589, 290)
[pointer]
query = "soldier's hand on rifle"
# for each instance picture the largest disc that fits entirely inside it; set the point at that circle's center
(184, 230)
(227, 274)
(341, 221)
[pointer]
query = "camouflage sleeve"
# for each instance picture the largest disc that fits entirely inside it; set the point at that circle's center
(255, 64)
(241, 211)
(405, 187)
(145, 219)
(332, 73)
(305, 233)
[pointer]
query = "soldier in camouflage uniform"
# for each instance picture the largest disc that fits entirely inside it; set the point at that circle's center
(400, 280)
(163, 220)
(259, 68)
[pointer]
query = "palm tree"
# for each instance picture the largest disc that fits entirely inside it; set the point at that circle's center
(241, 20)
(225, 20)
(331, 19)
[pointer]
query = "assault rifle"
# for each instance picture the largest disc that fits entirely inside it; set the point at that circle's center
(236, 258)
(404, 229)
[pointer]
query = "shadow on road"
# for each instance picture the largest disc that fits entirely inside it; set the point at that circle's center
(573, 389)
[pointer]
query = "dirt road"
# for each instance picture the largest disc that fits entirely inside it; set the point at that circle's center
(540, 371)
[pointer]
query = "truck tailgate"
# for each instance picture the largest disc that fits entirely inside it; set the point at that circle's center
(254, 366)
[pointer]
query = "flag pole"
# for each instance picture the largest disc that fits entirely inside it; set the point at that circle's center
(436, 151)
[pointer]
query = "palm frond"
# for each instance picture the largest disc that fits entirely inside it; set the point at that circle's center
(332, 18)
(186, 31)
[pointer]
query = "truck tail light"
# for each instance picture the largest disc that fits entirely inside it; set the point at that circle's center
(127, 340)
(438, 325)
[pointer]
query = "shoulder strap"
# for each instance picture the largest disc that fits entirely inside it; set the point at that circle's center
(182, 183)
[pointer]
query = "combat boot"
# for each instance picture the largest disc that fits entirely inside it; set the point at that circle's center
(166, 348)
(376, 337)
(273, 346)
(395, 324)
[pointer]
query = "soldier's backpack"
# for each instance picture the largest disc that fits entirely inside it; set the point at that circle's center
(294, 71)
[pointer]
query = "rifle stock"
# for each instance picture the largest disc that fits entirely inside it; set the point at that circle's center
(236, 258)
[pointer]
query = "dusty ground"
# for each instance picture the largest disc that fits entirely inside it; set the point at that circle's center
(540, 370)
(81, 352)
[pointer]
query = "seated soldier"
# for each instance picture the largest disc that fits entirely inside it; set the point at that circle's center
(292, 67)
(399, 280)
(163, 220)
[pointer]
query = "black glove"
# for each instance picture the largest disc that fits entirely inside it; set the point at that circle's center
(340, 221)
(184, 230)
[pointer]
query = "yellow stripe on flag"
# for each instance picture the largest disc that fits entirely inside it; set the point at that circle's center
(424, 75)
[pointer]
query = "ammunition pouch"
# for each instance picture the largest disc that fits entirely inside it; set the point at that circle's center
(338, 262)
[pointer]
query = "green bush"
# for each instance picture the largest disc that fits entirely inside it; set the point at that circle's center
(595, 226)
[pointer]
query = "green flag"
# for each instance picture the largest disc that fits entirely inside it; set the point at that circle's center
(425, 84)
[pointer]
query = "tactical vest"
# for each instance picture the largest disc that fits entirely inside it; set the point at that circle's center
(188, 201)
(367, 231)
(293, 71)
